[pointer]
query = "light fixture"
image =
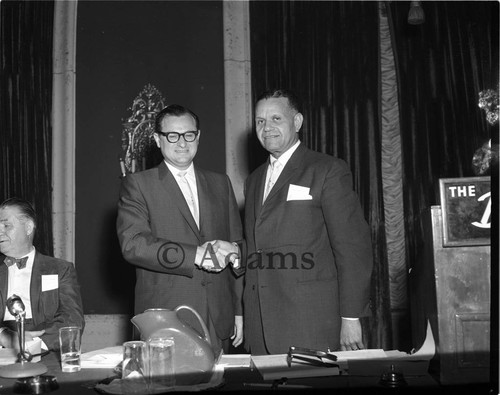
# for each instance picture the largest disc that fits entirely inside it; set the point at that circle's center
(416, 14)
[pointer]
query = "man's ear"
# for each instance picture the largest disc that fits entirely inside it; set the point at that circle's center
(297, 121)
(30, 227)
(157, 139)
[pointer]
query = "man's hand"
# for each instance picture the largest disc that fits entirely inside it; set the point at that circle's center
(208, 259)
(351, 337)
(237, 337)
(9, 338)
(229, 251)
(213, 256)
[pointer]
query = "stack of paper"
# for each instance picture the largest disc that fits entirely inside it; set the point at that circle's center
(234, 361)
(376, 362)
(372, 362)
(105, 358)
(275, 367)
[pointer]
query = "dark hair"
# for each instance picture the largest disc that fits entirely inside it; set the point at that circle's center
(174, 110)
(24, 207)
(293, 100)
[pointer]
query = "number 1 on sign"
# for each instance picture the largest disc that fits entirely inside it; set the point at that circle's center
(487, 212)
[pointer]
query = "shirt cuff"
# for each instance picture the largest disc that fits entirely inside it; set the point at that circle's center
(43, 346)
(350, 319)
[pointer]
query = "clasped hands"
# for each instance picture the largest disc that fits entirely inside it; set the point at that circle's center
(215, 255)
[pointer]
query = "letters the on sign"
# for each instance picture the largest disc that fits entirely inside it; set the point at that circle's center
(466, 209)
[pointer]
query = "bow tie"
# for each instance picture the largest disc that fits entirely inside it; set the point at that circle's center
(21, 262)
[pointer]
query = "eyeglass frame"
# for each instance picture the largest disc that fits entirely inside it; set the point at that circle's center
(166, 134)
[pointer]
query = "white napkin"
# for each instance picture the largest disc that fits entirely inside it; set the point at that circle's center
(105, 358)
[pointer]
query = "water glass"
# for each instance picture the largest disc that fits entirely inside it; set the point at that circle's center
(70, 343)
(135, 368)
(161, 363)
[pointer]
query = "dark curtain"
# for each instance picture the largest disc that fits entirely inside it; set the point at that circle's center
(327, 52)
(25, 109)
(442, 65)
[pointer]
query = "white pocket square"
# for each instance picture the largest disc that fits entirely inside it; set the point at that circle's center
(50, 282)
(296, 192)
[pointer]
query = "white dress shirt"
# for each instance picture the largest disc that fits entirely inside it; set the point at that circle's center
(191, 198)
(275, 171)
(19, 283)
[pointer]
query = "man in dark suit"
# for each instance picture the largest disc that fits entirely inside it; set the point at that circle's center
(169, 218)
(47, 286)
(309, 256)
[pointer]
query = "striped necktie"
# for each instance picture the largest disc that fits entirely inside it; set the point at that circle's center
(189, 196)
(273, 176)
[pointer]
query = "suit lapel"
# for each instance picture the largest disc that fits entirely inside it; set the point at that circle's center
(36, 289)
(259, 190)
(4, 275)
(173, 190)
(203, 197)
(288, 171)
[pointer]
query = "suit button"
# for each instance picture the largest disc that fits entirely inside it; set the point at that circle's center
(253, 287)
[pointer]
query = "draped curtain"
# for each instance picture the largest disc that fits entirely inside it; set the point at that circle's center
(25, 109)
(442, 65)
(327, 52)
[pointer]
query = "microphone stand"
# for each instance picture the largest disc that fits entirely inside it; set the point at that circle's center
(24, 355)
(24, 368)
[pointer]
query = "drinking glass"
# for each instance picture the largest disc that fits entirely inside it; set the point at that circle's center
(161, 360)
(135, 369)
(70, 343)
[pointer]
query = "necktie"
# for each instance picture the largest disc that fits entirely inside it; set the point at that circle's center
(21, 262)
(189, 196)
(275, 167)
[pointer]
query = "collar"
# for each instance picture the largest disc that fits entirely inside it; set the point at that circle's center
(285, 157)
(175, 171)
(30, 259)
(30, 254)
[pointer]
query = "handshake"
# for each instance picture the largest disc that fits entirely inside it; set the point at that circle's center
(215, 255)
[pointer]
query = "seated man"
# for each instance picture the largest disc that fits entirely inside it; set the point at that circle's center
(47, 286)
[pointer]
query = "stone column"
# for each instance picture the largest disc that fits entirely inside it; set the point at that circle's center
(238, 92)
(63, 130)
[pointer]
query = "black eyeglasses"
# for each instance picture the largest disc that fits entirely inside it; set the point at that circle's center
(173, 137)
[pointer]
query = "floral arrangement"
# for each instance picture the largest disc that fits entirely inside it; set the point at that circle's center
(488, 101)
(487, 155)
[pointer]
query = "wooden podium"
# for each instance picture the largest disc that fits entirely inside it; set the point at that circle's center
(450, 287)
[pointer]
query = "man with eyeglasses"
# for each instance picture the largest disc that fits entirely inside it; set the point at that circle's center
(180, 226)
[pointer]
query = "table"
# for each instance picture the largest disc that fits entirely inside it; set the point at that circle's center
(79, 383)
(246, 379)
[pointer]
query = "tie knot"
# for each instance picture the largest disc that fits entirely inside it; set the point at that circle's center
(182, 173)
(276, 164)
(20, 262)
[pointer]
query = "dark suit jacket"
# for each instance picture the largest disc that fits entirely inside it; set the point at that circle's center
(51, 309)
(159, 236)
(309, 260)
